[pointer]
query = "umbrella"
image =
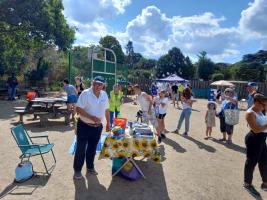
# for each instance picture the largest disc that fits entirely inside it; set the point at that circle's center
(222, 83)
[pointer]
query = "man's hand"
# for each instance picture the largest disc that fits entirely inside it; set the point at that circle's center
(96, 120)
(108, 127)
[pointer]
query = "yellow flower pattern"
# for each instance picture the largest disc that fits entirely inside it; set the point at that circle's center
(130, 147)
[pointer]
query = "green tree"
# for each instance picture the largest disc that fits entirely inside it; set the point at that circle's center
(217, 77)
(225, 69)
(41, 20)
(175, 63)
(137, 57)
(251, 72)
(130, 54)
(146, 64)
(189, 69)
(205, 66)
(111, 42)
(259, 57)
(81, 61)
(27, 27)
(41, 71)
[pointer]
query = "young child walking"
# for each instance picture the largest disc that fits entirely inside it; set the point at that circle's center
(210, 118)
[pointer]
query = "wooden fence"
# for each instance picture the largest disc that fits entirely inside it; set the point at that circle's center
(201, 88)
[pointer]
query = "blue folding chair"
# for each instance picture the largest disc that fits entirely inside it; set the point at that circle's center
(28, 148)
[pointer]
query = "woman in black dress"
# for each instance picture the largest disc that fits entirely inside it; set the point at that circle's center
(79, 85)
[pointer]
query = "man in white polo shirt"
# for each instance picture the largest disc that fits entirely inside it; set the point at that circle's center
(92, 106)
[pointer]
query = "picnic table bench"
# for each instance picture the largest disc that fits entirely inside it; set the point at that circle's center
(42, 107)
(21, 113)
(66, 113)
(43, 118)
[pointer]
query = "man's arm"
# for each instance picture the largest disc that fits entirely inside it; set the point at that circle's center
(149, 98)
(108, 120)
(85, 114)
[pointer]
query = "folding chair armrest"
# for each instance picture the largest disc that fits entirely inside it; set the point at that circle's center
(32, 145)
(28, 145)
(41, 136)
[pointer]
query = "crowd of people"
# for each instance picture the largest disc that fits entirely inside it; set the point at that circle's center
(93, 104)
(154, 109)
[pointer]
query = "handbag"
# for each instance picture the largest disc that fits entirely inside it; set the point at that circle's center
(24, 171)
(231, 116)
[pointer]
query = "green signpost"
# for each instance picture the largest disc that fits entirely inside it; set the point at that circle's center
(101, 66)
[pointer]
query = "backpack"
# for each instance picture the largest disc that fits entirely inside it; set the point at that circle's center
(23, 172)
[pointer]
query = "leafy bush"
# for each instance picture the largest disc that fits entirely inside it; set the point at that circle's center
(217, 77)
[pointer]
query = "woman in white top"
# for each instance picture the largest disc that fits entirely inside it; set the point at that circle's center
(161, 105)
(146, 104)
(256, 144)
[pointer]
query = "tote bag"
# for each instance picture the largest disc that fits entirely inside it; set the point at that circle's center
(231, 116)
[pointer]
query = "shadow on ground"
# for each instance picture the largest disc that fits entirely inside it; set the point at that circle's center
(7, 108)
(153, 187)
(162, 153)
(26, 188)
(177, 147)
(58, 126)
(200, 145)
(232, 146)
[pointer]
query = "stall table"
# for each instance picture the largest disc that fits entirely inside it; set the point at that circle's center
(130, 147)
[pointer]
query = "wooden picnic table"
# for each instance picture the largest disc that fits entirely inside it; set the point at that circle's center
(49, 100)
(34, 107)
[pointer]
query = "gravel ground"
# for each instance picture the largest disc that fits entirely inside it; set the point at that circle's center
(191, 169)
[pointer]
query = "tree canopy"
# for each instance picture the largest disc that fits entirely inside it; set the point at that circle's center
(26, 26)
(205, 66)
(112, 43)
(175, 63)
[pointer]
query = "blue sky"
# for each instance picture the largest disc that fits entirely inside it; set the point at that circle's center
(225, 29)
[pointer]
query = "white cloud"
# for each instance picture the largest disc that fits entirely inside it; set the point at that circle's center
(88, 15)
(86, 11)
(88, 33)
(253, 19)
(153, 34)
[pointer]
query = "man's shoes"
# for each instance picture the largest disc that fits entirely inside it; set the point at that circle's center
(185, 134)
(250, 188)
(77, 175)
(159, 139)
(163, 136)
(92, 172)
(264, 187)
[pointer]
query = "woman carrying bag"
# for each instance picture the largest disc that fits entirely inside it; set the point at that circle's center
(229, 103)
(256, 144)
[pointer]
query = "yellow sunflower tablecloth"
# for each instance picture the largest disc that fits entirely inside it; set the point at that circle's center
(130, 147)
